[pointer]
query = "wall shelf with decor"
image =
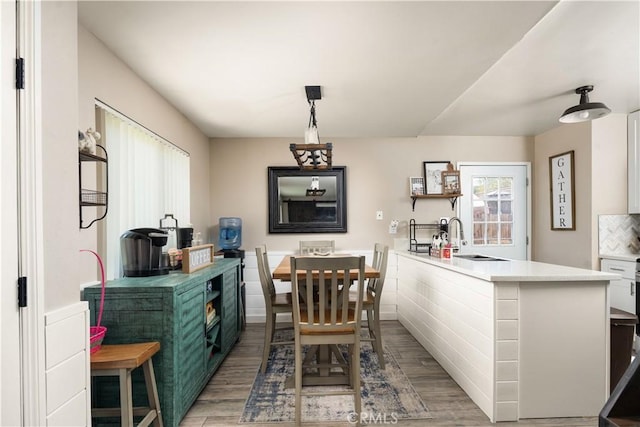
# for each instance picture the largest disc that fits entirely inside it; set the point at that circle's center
(93, 198)
(439, 181)
(453, 198)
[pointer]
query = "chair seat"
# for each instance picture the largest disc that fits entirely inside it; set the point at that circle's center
(327, 328)
(367, 299)
(326, 331)
(282, 299)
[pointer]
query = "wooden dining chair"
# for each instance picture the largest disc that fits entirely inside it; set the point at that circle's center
(371, 300)
(317, 247)
(328, 320)
(275, 303)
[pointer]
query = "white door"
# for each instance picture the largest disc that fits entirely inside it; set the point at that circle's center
(495, 209)
(10, 383)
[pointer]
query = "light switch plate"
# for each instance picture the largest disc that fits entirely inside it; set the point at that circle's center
(379, 215)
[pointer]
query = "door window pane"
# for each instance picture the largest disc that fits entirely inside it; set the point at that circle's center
(505, 233)
(492, 210)
(478, 233)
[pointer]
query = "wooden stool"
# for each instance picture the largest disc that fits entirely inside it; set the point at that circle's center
(120, 360)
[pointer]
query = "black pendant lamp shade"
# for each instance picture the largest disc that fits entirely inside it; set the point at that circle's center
(586, 110)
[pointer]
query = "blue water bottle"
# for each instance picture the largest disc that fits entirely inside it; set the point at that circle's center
(230, 233)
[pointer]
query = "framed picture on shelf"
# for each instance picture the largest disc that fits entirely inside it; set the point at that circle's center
(433, 175)
(450, 182)
(416, 185)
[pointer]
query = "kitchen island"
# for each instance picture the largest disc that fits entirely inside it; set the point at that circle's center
(523, 339)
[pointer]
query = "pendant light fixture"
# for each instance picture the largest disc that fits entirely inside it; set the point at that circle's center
(311, 135)
(586, 110)
(312, 154)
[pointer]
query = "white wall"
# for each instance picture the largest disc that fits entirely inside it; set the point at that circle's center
(104, 76)
(609, 166)
(378, 171)
(65, 398)
(600, 188)
(59, 121)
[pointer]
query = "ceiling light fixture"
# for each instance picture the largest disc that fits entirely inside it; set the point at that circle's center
(312, 154)
(586, 110)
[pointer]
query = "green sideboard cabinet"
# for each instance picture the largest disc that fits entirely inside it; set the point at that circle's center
(196, 319)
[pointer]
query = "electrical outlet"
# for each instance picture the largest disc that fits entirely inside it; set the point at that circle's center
(379, 215)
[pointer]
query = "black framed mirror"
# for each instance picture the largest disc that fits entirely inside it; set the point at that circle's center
(307, 201)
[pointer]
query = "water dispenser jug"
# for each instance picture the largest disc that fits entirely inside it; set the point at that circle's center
(230, 233)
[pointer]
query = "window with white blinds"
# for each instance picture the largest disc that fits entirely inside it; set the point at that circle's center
(148, 178)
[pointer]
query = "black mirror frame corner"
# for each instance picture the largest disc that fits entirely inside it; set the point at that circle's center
(338, 226)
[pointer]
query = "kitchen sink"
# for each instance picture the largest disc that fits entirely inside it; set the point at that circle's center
(476, 257)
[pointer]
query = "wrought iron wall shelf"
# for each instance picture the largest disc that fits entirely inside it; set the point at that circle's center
(93, 198)
(453, 198)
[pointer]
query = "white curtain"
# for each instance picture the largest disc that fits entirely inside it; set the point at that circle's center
(148, 178)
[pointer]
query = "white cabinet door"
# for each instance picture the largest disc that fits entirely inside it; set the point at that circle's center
(621, 297)
(633, 159)
(622, 292)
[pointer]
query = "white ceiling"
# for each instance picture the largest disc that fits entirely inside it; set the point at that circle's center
(238, 69)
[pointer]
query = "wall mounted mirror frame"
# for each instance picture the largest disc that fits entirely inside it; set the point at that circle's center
(298, 206)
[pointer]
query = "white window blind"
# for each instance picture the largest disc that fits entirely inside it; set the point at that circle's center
(148, 178)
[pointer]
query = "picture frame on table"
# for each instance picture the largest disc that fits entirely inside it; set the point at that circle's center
(450, 182)
(433, 175)
(416, 185)
(562, 190)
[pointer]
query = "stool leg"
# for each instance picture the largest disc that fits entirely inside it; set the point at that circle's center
(126, 399)
(152, 391)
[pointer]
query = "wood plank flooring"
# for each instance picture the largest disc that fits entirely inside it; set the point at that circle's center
(222, 401)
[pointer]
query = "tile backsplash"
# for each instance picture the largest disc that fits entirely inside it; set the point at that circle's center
(618, 234)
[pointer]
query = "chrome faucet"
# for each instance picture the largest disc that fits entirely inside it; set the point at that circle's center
(460, 230)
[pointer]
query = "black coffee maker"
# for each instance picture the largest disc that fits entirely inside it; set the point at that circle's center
(141, 252)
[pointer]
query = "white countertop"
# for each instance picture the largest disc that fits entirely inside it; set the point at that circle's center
(512, 270)
(621, 257)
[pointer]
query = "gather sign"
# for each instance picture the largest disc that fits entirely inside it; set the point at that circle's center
(562, 191)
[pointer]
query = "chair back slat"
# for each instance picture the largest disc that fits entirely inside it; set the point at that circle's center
(309, 291)
(380, 257)
(326, 303)
(266, 281)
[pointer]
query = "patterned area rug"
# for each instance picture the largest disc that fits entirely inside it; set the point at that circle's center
(386, 394)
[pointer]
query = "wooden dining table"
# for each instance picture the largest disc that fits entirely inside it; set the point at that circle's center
(322, 353)
(283, 270)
